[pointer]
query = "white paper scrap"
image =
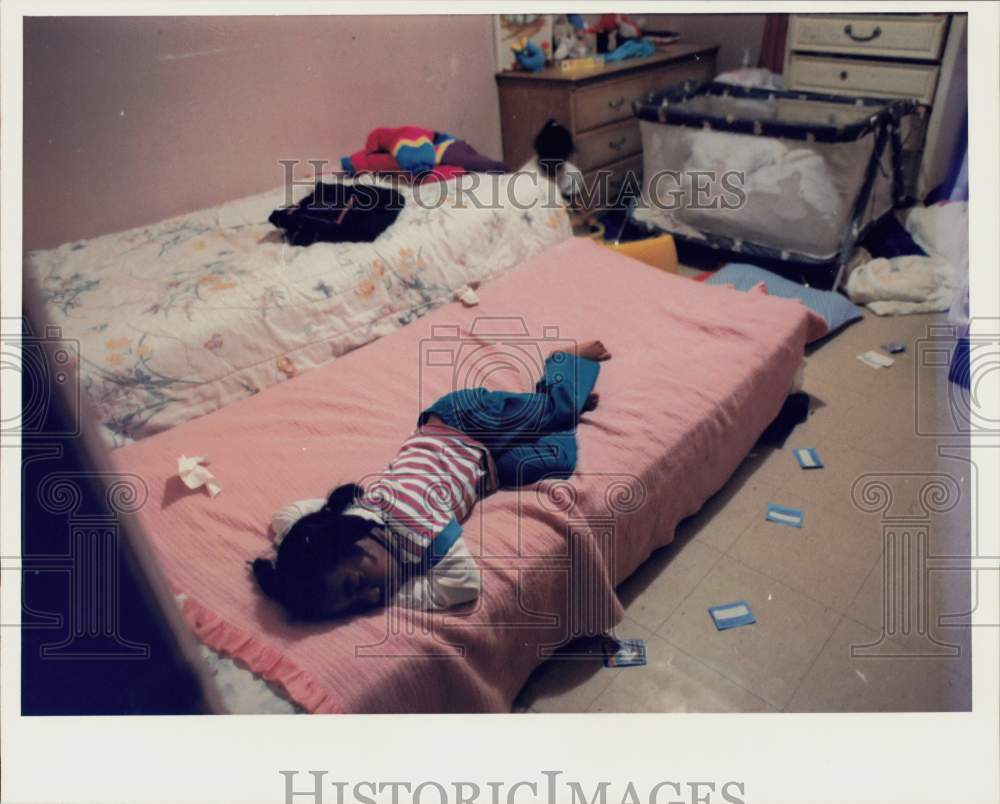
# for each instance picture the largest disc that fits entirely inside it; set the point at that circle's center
(194, 475)
(876, 360)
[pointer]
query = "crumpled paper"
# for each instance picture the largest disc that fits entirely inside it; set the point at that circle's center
(194, 475)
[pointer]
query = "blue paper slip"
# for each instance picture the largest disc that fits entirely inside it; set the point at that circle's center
(894, 348)
(731, 615)
(785, 516)
(808, 458)
(624, 653)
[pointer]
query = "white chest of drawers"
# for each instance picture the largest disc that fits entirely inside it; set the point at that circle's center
(919, 56)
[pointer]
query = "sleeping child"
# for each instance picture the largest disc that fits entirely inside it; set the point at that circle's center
(400, 539)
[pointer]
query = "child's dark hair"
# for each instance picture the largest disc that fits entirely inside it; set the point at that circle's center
(554, 145)
(313, 546)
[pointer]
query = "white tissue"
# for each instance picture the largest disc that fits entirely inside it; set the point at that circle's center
(467, 296)
(194, 475)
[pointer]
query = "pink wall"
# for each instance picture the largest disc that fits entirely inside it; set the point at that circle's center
(129, 120)
(733, 32)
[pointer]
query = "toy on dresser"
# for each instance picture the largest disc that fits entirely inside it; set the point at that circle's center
(513, 32)
(530, 55)
(568, 35)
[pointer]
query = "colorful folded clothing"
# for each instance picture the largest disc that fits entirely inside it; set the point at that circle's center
(423, 154)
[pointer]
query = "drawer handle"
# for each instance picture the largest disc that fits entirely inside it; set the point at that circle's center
(616, 104)
(843, 75)
(875, 34)
(617, 145)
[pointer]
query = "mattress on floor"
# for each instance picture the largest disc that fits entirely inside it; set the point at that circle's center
(182, 317)
(697, 373)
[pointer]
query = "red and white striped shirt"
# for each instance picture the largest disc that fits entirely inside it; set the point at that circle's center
(428, 490)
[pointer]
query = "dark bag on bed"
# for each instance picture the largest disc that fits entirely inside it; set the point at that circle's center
(339, 213)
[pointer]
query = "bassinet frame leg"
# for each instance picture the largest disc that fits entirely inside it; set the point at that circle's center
(858, 211)
(886, 133)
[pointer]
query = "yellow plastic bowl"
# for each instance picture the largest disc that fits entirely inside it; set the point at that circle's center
(659, 251)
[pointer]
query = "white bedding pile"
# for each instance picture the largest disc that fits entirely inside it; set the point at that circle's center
(182, 317)
(796, 179)
(916, 284)
(784, 194)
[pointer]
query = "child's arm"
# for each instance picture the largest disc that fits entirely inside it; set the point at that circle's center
(454, 580)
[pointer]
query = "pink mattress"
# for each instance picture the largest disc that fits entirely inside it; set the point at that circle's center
(697, 373)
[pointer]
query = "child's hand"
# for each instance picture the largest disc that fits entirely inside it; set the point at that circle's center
(593, 350)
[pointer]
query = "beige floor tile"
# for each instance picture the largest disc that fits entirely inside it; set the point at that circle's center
(727, 513)
(829, 486)
(835, 369)
(840, 682)
(749, 505)
(879, 428)
(874, 330)
(927, 617)
(657, 588)
(827, 559)
(851, 483)
(673, 681)
(940, 407)
(918, 486)
(931, 454)
(767, 658)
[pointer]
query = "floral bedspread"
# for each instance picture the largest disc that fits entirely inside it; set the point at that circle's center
(180, 318)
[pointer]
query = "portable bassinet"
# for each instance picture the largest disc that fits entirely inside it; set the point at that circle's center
(792, 176)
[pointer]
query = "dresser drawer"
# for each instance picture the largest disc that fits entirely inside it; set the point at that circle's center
(606, 182)
(855, 77)
(611, 143)
(916, 36)
(610, 101)
(605, 102)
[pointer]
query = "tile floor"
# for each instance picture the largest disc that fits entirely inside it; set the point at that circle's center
(823, 640)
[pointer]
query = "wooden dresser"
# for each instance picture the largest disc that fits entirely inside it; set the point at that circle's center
(919, 56)
(596, 106)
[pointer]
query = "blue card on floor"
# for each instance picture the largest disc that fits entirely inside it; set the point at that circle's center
(808, 458)
(732, 615)
(624, 652)
(785, 516)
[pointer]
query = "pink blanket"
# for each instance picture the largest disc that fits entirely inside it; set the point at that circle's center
(697, 373)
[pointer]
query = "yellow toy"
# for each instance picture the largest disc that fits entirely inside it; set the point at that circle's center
(659, 251)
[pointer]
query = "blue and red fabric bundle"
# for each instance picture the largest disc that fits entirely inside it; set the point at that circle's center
(423, 154)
